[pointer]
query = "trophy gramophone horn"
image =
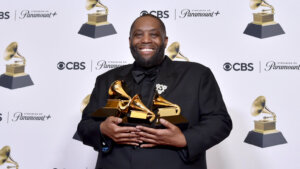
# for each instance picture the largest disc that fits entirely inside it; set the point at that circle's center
(254, 4)
(116, 89)
(137, 104)
(85, 102)
(173, 52)
(259, 106)
(160, 101)
(92, 3)
(12, 52)
(5, 158)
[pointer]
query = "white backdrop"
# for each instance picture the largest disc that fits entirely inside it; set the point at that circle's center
(211, 41)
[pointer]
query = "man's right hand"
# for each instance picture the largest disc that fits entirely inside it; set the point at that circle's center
(120, 135)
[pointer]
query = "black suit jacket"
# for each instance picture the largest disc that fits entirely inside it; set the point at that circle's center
(190, 85)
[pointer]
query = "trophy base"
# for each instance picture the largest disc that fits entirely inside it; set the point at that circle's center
(265, 140)
(263, 31)
(94, 31)
(178, 120)
(12, 82)
(103, 113)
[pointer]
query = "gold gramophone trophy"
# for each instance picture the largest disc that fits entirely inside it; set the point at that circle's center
(263, 25)
(173, 52)
(168, 111)
(117, 103)
(264, 133)
(5, 158)
(97, 25)
(120, 104)
(15, 77)
(133, 112)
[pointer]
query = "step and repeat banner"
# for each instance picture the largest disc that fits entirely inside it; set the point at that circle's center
(52, 52)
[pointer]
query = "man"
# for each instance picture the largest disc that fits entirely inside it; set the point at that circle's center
(190, 85)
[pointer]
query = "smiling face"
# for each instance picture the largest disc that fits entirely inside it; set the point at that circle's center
(147, 41)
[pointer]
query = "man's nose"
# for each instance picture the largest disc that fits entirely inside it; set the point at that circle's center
(146, 38)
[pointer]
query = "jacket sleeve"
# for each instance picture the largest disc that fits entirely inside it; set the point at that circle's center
(214, 124)
(88, 128)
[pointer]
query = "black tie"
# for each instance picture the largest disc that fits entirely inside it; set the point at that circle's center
(139, 75)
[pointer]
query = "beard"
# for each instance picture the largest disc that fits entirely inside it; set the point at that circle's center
(155, 60)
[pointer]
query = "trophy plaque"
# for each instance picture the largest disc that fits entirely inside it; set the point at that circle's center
(15, 77)
(264, 133)
(97, 25)
(133, 112)
(6, 158)
(173, 52)
(263, 25)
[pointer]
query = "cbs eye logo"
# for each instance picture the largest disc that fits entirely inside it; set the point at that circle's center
(227, 66)
(238, 66)
(71, 65)
(159, 14)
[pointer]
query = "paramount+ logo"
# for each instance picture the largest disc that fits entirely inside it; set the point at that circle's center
(71, 66)
(159, 13)
(4, 15)
(238, 66)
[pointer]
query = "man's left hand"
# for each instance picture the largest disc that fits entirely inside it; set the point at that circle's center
(171, 136)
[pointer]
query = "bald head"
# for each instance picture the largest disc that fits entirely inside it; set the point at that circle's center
(161, 24)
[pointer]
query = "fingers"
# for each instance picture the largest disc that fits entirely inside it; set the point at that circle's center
(148, 145)
(122, 129)
(146, 135)
(129, 143)
(167, 124)
(128, 140)
(115, 120)
(148, 140)
(148, 130)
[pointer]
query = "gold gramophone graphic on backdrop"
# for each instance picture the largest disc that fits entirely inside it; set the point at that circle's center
(133, 111)
(6, 158)
(173, 52)
(15, 76)
(263, 25)
(97, 25)
(85, 102)
(264, 133)
(83, 105)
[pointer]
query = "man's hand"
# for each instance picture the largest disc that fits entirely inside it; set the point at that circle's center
(171, 136)
(121, 135)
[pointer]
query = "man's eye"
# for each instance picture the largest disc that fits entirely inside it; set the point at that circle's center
(138, 34)
(154, 35)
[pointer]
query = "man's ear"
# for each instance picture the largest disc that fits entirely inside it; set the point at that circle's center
(166, 41)
(129, 41)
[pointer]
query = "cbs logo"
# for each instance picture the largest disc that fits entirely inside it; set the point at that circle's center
(238, 66)
(71, 65)
(159, 14)
(4, 15)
